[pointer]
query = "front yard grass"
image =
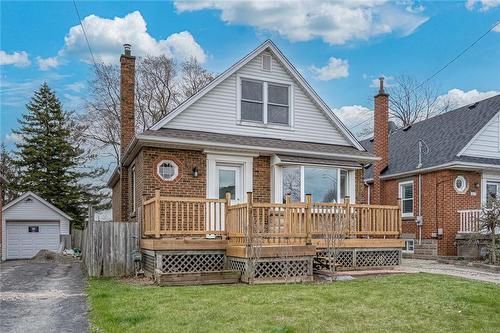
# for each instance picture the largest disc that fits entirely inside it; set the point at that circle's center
(398, 303)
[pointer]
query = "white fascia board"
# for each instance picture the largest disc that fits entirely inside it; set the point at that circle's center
(292, 70)
(450, 165)
(43, 201)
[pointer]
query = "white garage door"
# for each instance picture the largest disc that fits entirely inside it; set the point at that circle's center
(25, 239)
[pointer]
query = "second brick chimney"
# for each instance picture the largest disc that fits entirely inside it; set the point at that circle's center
(127, 97)
(380, 140)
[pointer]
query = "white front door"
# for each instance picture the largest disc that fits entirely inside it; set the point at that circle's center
(229, 179)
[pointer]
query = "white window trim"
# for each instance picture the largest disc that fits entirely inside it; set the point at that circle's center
(264, 123)
(401, 184)
(176, 174)
(465, 182)
(277, 174)
(406, 248)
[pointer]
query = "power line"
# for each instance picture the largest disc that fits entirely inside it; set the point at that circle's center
(85, 34)
(444, 67)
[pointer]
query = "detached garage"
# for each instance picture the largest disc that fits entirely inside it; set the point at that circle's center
(31, 224)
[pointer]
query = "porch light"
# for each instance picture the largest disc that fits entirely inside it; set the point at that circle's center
(195, 172)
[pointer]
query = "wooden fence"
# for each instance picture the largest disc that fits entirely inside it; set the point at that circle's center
(107, 247)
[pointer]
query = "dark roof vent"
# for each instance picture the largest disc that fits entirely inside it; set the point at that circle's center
(372, 139)
(473, 105)
(407, 127)
(392, 127)
(368, 165)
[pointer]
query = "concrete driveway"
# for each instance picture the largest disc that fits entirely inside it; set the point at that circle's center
(42, 297)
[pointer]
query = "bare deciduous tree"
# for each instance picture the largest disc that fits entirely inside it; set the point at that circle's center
(410, 101)
(161, 85)
(489, 222)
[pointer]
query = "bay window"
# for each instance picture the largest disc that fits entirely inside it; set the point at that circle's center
(325, 184)
(264, 102)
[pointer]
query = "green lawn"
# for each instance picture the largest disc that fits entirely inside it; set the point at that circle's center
(398, 303)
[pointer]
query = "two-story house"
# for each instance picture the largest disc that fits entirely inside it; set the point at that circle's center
(256, 144)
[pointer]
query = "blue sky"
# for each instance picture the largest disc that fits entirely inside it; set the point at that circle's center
(339, 47)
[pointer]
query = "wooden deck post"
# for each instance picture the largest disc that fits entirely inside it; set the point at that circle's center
(400, 224)
(347, 202)
(226, 212)
(308, 219)
(157, 213)
(249, 216)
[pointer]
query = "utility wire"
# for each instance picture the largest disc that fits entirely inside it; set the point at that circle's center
(85, 34)
(444, 67)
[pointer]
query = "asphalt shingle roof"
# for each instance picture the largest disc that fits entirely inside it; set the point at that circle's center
(306, 147)
(445, 135)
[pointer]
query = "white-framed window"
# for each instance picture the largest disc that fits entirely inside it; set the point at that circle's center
(133, 187)
(492, 192)
(263, 102)
(167, 170)
(325, 184)
(409, 246)
(460, 184)
(406, 195)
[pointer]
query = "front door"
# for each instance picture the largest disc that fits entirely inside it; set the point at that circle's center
(229, 180)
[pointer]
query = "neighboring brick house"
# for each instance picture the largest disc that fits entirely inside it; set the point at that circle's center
(443, 169)
(254, 125)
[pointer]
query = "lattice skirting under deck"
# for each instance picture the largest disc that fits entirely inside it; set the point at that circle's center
(273, 270)
(190, 261)
(347, 259)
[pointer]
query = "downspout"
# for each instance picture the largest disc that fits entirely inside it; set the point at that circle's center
(420, 208)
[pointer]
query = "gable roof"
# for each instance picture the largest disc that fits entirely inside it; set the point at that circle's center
(40, 199)
(445, 135)
(268, 44)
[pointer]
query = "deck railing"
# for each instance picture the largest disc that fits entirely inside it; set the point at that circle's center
(469, 221)
(177, 216)
(266, 223)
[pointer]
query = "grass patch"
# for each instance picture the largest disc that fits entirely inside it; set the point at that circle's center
(398, 303)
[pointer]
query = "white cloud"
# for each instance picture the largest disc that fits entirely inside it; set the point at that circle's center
(388, 81)
(18, 59)
(457, 97)
(335, 22)
(335, 69)
(482, 5)
(75, 86)
(352, 115)
(47, 63)
(107, 36)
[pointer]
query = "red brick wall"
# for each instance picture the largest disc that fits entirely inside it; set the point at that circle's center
(360, 187)
(115, 202)
(262, 179)
(440, 203)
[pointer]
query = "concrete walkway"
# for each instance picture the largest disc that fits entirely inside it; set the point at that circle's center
(434, 267)
(42, 297)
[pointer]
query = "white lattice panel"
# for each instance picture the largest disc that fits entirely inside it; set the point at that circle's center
(377, 258)
(196, 262)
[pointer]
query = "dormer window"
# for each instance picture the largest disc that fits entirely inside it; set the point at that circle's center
(263, 102)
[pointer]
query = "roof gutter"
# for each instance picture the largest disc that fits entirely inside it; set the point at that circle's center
(115, 176)
(450, 165)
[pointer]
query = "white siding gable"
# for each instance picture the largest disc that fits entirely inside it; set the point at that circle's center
(35, 210)
(217, 110)
(487, 142)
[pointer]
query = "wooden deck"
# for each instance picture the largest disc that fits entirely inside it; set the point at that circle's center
(174, 223)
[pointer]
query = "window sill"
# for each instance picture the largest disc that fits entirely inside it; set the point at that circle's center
(408, 218)
(262, 125)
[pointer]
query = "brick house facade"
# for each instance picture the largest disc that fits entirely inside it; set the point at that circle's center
(435, 171)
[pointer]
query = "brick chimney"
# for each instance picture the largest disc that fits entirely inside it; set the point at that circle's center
(127, 125)
(380, 140)
(127, 92)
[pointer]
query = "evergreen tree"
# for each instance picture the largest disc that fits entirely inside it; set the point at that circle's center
(9, 172)
(50, 159)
